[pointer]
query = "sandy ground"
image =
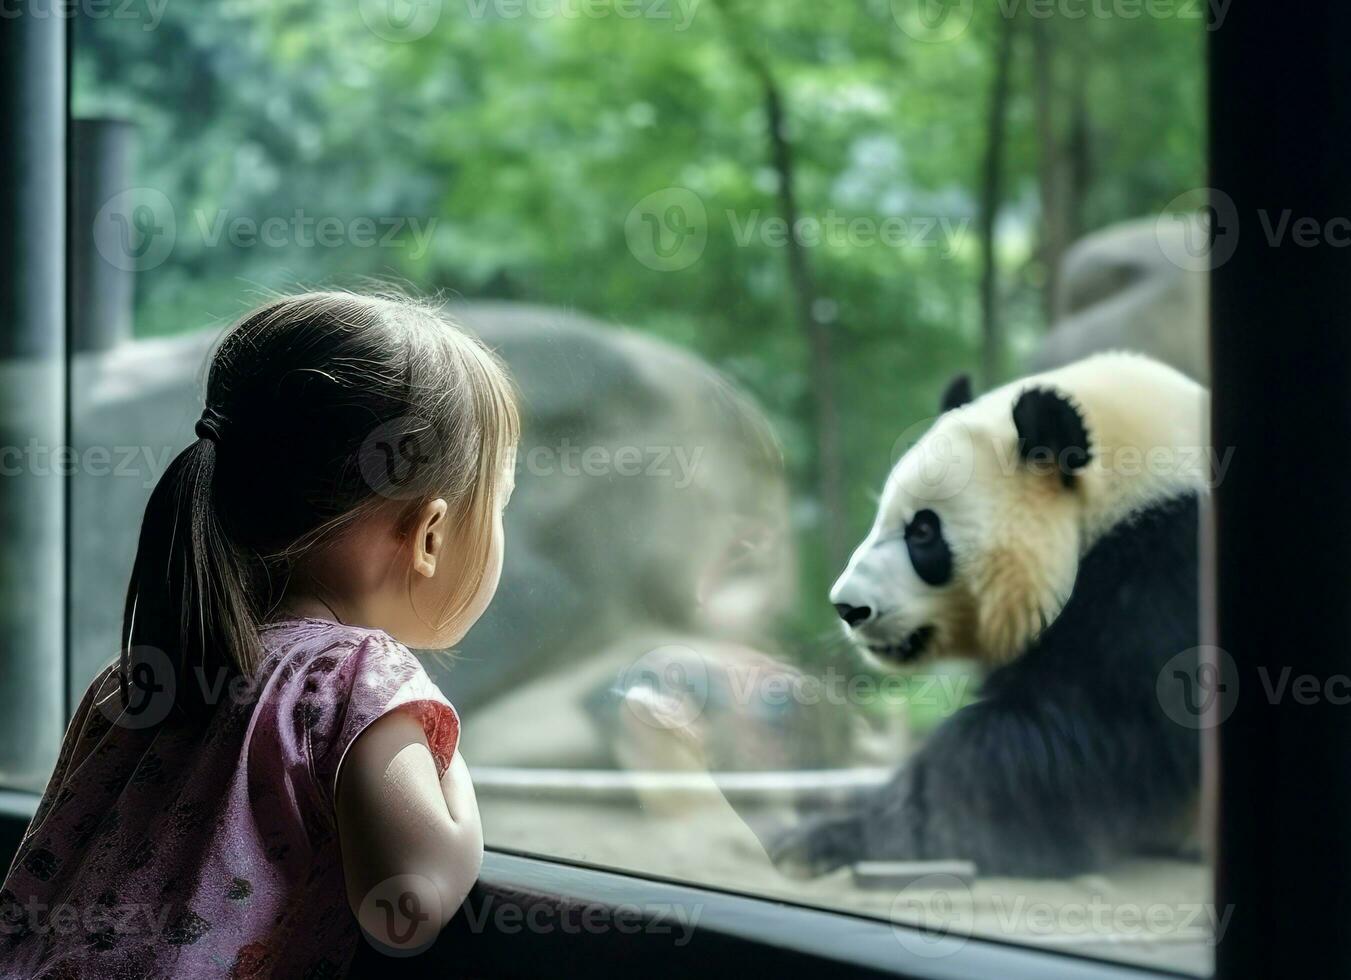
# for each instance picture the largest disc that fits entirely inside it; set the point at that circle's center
(1154, 913)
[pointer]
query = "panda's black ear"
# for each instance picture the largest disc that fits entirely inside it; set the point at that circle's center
(1051, 433)
(957, 393)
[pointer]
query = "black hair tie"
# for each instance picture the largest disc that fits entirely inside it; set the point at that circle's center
(210, 425)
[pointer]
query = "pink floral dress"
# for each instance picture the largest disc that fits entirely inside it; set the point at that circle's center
(209, 848)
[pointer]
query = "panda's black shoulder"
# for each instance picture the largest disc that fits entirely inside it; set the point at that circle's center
(1135, 605)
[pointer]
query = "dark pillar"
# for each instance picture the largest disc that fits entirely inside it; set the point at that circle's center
(101, 293)
(1280, 109)
(32, 389)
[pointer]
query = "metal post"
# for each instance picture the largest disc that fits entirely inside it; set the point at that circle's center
(32, 390)
(101, 293)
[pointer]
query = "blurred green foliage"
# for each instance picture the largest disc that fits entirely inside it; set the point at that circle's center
(528, 140)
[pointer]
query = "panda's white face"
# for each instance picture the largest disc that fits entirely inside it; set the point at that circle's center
(974, 548)
(895, 594)
(981, 525)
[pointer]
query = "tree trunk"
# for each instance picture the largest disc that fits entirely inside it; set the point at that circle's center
(821, 369)
(991, 195)
(821, 366)
(1051, 165)
(1080, 160)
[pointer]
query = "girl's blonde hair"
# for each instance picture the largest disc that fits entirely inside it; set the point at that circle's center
(320, 408)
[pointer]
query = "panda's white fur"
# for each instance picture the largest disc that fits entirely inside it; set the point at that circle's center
(1015, 532)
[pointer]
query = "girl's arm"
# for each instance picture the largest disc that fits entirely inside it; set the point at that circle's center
(458, 791)
(411, 844)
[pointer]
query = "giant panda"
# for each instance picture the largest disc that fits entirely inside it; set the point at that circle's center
(1050, 530)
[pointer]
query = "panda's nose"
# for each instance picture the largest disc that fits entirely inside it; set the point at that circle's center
(853, 615)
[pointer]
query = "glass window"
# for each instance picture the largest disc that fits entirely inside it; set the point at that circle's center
(733, 254)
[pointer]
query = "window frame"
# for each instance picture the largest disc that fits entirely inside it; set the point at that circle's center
(735, 934)
(34, 91)
(1282, 402)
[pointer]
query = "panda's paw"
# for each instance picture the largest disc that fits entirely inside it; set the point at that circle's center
(816, 846)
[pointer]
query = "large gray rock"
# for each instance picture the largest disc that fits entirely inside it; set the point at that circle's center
(1120, 291)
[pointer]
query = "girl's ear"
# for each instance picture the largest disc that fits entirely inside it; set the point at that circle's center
(428, 541)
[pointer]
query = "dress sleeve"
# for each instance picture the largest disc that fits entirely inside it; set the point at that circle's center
(343, 693)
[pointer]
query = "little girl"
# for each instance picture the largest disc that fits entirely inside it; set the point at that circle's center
(268, 767)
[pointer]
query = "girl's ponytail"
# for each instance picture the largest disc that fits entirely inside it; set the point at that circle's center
(189, 605)
(303, 394)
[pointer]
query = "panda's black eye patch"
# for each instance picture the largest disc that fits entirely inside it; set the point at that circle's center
(929, 552)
